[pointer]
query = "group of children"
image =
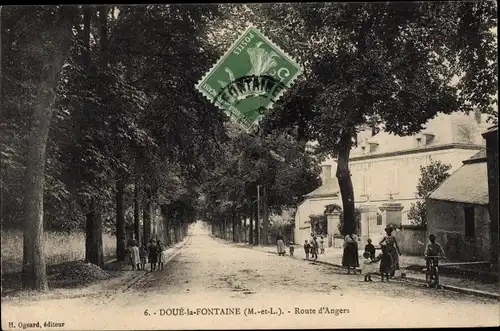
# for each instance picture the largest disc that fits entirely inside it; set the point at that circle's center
(370, 262)
(152, 253)
(313, 247)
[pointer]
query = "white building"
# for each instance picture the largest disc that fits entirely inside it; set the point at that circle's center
(386, 168)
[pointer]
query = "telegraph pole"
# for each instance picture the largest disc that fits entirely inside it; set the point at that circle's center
(258, 215)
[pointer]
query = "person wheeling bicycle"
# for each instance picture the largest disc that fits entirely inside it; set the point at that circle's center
(433, 250)
(432, 253)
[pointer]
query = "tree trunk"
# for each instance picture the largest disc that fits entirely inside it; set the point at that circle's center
(137, 211)
(164, 215)
(103, 30)
(256, 234)
(93, 236)
(121, 240)
(184, 230)
(222, 227)
(265, 214)
(233, 226)
(250, 226)
(94, 249)
(243, 231)
(301, 134)
(345, 183)
(146, 218)
(175, 228)
(166, 236)
(238, 228)
(54, 42)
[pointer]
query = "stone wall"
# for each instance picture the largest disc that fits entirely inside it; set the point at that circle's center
(446, 221)
(411, 241)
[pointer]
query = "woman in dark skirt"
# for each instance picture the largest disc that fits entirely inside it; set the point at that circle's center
(385, 259)
(392, 248)
(153, 254)
(350, 258)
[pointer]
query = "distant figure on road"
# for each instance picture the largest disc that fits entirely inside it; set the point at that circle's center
(135, 256)
(350, 258)
(292, 249)
(370, 248)
(322, 245)
(161, 258)
(314, 248)
(307, 248)
(153, 254)
(392, 248)
(281, 245)
(144, 256)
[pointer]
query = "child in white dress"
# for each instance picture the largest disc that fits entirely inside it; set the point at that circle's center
(369, 266)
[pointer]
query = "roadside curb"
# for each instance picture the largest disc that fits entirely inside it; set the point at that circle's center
(54, 296)
(462, 290)
(446, 287)
(457, 289)
(122, 288)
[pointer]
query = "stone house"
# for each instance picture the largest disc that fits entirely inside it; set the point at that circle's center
(385, 170)
(457, 212)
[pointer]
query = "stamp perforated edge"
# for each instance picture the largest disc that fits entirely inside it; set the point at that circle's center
(226, 54)
(291, 59)
(219, 61)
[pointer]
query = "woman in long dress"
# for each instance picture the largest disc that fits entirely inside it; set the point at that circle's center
(350, 258)
(135, 256)
(392, 248)
(281, 245)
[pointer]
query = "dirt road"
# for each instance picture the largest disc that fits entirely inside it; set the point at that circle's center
(213, 285)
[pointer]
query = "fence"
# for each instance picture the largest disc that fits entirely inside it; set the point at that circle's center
(404, 217)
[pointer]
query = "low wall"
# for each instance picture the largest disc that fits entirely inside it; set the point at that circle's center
(411, 241)
(338, 242)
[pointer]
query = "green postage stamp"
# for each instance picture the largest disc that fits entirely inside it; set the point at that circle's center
(249, 78)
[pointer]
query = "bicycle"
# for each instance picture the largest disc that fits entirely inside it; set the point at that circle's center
(432, 272)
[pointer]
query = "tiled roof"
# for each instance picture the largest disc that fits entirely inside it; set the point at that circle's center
(456, 128)
(478, 157)
(328, 189)
(469, 184)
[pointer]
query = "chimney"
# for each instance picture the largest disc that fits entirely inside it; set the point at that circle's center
(326, 174)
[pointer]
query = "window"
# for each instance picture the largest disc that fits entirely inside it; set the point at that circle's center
(470, 228)
(379, 219)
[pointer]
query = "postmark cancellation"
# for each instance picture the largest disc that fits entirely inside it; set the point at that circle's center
(252, 75)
